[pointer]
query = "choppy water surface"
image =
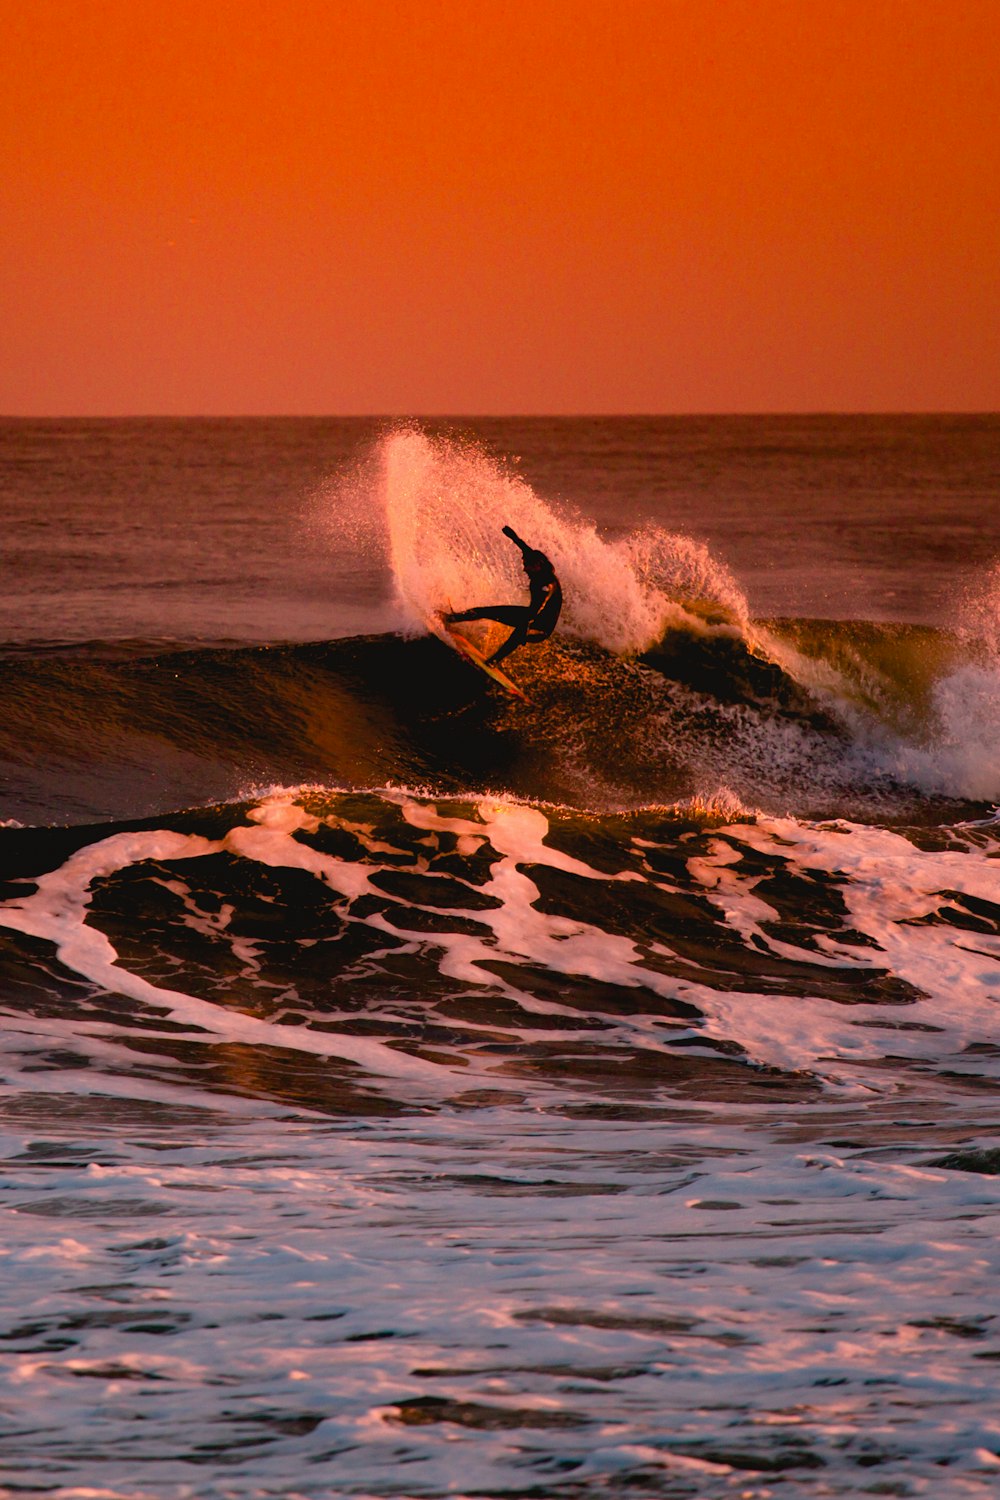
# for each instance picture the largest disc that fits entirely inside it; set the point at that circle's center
(407, 1091)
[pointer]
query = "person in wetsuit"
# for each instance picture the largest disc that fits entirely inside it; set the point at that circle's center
(531, 622)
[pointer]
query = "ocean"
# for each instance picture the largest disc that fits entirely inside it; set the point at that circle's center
(409, 1091)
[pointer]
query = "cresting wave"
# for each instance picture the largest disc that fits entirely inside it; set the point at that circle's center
(876, 708)
(444, 506)
(111, 731)
(658, 685)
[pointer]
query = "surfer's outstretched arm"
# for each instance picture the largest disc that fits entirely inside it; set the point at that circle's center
(509, 531)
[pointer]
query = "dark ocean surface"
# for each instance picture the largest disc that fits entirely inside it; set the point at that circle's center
(407, 1090)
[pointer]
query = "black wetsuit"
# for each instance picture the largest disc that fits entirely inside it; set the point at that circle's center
(531, 622)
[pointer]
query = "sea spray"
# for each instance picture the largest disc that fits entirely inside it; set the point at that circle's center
(967, 700)
(445, 504)
(979, 618)
(925, 705)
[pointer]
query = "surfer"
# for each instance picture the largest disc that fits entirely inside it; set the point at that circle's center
(532, 622)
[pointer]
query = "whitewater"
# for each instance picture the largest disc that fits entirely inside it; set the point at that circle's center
(410, 1091)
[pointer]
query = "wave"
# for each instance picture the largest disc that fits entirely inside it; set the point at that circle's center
(98, 731)
(466, 1029)
(658, 685)
(913, 707)
(362, 1061)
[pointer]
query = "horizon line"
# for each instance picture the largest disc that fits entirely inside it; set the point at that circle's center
(456, 416)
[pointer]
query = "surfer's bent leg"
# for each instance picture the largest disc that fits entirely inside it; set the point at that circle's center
(516, 638)
(504, 614)
(516, 615)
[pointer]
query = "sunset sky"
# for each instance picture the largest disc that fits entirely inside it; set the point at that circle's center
(499, 206)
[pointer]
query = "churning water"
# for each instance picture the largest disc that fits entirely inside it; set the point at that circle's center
(410, 1091)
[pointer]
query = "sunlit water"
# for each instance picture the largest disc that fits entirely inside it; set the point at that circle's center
(407, 1091)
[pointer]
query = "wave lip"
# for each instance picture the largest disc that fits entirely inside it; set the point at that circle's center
(444, 505)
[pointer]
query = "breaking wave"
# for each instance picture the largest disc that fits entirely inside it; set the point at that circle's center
(658, 686)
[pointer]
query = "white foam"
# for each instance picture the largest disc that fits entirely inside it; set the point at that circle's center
(57, 911)
(887, 884)
(445, 503)
(697, 1292)
(963, 758)
(890, 887)
(519, 930)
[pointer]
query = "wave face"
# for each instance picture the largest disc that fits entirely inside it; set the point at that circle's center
(807, 718)
(872, 721)
(406, 1089)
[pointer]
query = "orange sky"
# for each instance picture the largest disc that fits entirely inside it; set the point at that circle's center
(472, 206)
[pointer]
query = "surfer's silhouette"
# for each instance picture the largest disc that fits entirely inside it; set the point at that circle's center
(532, 622)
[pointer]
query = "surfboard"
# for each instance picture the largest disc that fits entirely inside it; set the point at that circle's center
(473, 654)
